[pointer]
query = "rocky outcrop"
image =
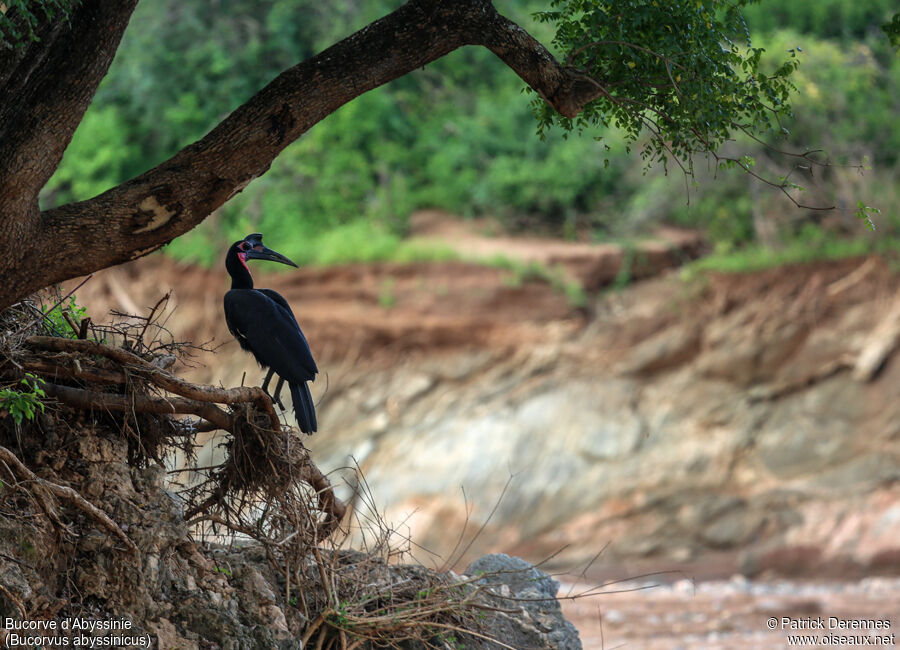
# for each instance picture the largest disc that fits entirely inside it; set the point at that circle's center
(531, 614)
(723, 429)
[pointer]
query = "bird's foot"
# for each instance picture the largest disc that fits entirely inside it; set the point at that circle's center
(275, 399)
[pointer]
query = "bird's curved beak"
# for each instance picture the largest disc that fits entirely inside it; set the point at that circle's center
(260, 252)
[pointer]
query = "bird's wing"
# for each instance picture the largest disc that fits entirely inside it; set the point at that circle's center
(283, 304)
(233, 319)
(268, 330)
(280, 301)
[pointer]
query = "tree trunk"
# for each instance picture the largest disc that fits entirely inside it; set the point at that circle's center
(58, 79)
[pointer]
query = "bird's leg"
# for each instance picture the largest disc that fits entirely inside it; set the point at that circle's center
(266, 381)
(276, 398)
(278, 392)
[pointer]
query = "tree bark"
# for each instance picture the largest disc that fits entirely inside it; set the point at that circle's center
(143, 214)
(46, 87)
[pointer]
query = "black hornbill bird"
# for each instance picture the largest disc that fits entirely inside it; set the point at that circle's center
(263, 324)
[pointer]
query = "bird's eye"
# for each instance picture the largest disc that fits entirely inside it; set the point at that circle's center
(244, 246)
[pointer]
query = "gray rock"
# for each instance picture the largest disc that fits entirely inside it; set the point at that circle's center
(807, 433)
(736, 527)
(515, 584)
(670, 348)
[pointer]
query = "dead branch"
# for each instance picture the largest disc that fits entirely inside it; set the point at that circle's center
(88, 399)
(263, 464)
(162, 378)
(74, 371)
(328, 502)
(68, 495)
(238, 528)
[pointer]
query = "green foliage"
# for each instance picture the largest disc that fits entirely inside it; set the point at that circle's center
(172, 81)
(55, 319)
(556, 277)
(339, 616)
(23, 401)
(623, 277)
(96, 159)
(892, 29)
(20, 20)
(827, 19)
(864, 213)
(387, 299)
(811, 245)
(847, 95)
(674, 70)
(450, 641)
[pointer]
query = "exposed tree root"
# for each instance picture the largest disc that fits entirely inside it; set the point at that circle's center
(266, 460)
(66, 494)
(15, 601)
(161, 378)
(87, 399)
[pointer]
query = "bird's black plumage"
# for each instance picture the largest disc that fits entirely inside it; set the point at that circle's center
(263, 324)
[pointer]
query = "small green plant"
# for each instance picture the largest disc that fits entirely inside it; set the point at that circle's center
(23, 403)
(339, 617)
(222, 570)
(623, 277)
(57, 321)
(451, 641)
(29, 552)
(575, 294)
(556, 277)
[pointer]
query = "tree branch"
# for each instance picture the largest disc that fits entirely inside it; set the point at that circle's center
(48, 90)
(44, 93)
(150, 210)
(563, 87)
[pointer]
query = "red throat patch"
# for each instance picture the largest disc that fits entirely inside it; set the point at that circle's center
(243, 258)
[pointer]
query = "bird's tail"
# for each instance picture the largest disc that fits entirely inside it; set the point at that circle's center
(304, 407)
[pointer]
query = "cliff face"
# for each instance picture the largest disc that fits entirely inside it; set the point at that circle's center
(749, 426)
(727, 423)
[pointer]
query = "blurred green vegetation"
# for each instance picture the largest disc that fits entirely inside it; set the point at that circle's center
(460, 136)
(809, 245)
